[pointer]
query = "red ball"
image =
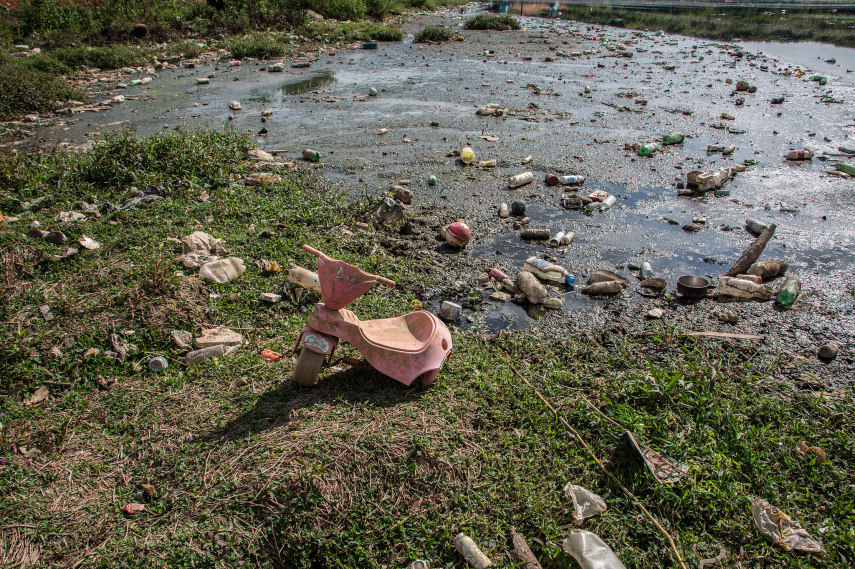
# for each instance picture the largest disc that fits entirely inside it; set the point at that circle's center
(458, 234)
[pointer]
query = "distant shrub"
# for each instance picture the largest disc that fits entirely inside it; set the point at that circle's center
(26, 89)
(435, 34)
(331, 31)
(340, 9)
(262, 46)
(492, 22)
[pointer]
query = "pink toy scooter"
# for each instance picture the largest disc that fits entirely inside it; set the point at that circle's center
(411, 346)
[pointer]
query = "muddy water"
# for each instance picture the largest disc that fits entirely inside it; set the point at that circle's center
(427, 100)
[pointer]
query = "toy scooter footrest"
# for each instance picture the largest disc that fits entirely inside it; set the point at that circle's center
(317, 341)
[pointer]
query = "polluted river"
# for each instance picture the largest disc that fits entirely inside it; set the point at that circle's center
(576, 98)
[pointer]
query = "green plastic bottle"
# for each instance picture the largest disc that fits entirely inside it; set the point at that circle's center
(648, 149)
(673, 138)
(789, 291)
(844, 167)
(372, 92)
(311, 155)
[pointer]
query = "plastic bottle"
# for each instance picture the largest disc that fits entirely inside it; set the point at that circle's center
(372, 92)
(556, 239)
(648, 149)
(467, 155)
(545, 270)
(432, 181)
(646, 270)
(533, 290)
(570, 180)
(210, 352)
(311, 155)
(304, 278)
(158, 364)
(517, 208)
(590, 551)
(568, 238)
(498, 274)
(789, 291)
(608, 203)
(467, 548)
(799, 154)
(503, 210)
(756, 226)
(486, 164)
(756, 279)
(520, 179)
(740, 288)
(673, 138)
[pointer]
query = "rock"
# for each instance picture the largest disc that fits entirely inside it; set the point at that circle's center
(218, 337)
(139, 31)
(269, 297)
(260, 155)
(728, 317)
(554, 303)
(235, 105)
(222, 270)
(183, 339)
(828, 351)
(692, 227)
(602, 276)
(534, 291)
(403, 195)
(655, 313)
(500, 296)
(742, 85)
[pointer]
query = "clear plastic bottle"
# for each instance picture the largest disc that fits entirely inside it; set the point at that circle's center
(467, 155)
(646, 270)
(311, 155)
(789, 291)
(486, 164)
(756, 226)
(520, 179)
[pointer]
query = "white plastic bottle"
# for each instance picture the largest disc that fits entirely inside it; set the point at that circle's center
(520, 179)
(304, 278)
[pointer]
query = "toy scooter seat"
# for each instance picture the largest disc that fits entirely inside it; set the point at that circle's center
(410, 332)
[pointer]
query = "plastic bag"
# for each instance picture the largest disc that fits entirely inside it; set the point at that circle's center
(780, 529)
(590, 551)
(585, 503)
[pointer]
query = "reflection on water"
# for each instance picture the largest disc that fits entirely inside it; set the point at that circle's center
(292, 87)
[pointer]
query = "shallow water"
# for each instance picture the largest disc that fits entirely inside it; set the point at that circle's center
(427, 100)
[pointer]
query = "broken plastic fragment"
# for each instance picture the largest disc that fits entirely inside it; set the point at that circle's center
(585, 503)
(781, 529)
(663, 469)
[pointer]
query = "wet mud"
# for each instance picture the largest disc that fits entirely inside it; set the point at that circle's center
(427, 100)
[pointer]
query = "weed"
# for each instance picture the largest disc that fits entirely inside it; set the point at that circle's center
(492, 22)
(435, 34)
(328, 31)
(106, 57)
(340, 9)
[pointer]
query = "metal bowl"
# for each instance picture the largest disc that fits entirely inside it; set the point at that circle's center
(689, 285)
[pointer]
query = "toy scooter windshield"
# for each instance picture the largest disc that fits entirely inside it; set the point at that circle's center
(341, 283)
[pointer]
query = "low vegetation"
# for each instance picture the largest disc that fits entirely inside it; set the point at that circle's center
(28, 88)
(829, 25)
(359, 471)
(499, 22)
(435, 34)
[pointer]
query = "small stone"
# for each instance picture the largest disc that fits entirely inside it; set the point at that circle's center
(692, 227)
(183, 339)
(260, 155)
(235, 105)
(655, 313)
(728, 317)
(829, 351)
(699, 220)
(553, 303)
(218, 337)
(403, 195)
(500, 296)
(269, 297)
(232, 297)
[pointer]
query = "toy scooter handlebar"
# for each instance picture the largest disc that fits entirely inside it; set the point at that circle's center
(378, 278)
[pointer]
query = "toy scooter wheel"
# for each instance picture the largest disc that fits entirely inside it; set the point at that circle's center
(308, 365)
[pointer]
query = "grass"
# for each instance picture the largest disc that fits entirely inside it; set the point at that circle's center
(435, 34)
(332, 32)
(359, 471)
(492, 22)
(259, 45)
(29, 89)
(730, 22)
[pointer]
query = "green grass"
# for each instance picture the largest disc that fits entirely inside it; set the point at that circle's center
(435, 34)
(28, 88)
(260, 45)
(103, 57)
(730, 22)
(358, 471)
(492, 22)
(331, 32)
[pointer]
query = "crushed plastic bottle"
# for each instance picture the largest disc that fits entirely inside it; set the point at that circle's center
(311, 155)
(467, 155)
(800, 154)
(590, 551)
